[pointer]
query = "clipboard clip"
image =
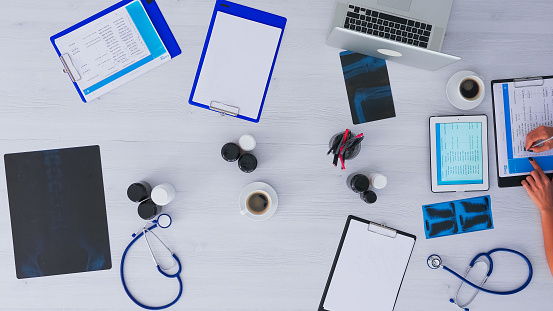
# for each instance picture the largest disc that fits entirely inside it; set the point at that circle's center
(224, 108)
(528, 81)
(382, 230)
(69, 68)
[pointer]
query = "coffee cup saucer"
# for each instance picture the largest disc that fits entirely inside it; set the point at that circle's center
(259, 186)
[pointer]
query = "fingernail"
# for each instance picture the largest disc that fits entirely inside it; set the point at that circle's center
(531, 159)
(530, 150)
(524, 148)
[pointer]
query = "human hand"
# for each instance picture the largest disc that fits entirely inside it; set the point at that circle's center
(541, 133)
(539, 188)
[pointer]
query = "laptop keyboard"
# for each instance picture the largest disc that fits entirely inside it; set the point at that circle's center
(387, 26)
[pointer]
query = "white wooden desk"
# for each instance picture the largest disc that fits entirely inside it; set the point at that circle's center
(148, 131)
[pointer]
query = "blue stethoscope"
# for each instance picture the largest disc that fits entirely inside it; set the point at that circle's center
(435, 262)
(163, 221)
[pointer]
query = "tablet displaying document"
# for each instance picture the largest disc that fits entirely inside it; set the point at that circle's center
(520, 106)
(459, 153)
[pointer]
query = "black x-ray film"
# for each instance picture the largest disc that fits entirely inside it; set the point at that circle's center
(467, 215)
(58, 211)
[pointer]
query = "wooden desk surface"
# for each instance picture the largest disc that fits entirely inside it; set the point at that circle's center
(148, 131)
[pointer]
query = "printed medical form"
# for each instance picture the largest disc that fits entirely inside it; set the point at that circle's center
(113, 49)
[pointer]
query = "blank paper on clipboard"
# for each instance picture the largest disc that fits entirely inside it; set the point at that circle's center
(368, 269)
(237, 64)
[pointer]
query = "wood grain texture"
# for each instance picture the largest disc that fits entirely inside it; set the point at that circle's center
(147, 131)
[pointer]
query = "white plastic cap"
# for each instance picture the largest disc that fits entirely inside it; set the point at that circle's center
(247, 142)
(163, 194)
(378, 181)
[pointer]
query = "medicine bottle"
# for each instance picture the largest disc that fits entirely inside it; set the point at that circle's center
(359, 183)
(148, 209)
(247, 163)
(230, 152)
(368, 196)
(139, 191)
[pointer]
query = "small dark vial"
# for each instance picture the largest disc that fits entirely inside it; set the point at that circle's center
(230, 152)
(247, 163)
(359, 183)
(139, 191)
(148, 209)
(368, 196)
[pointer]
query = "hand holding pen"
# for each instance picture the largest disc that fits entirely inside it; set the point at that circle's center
(540, 139)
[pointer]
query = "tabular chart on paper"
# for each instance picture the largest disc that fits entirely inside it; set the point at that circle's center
(459, 153)
(532, 107)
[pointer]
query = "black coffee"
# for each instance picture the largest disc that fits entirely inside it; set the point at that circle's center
(470, 89)
(258, 202)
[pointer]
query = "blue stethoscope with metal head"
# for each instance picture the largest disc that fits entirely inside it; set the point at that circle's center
(163, 221)
(435, 262)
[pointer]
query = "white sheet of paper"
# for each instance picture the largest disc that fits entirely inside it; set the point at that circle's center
(237, 63)
(369, 270)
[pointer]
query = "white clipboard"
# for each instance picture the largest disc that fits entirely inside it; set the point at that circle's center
(368, 268)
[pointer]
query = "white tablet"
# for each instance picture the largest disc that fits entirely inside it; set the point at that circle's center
(459, 153)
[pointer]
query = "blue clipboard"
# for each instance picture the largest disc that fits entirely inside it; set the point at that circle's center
(156, 17)
(250, 14)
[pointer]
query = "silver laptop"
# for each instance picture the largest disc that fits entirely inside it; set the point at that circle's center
(409, 32)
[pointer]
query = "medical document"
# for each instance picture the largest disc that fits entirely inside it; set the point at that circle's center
(106, 51)
(518, 111)
(532, 108)
(459, 153)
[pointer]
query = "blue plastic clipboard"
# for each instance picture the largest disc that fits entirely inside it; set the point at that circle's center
(155, 16)
(237, 10)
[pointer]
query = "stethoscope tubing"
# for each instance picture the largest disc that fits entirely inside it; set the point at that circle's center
(176, 275)
(487, 255)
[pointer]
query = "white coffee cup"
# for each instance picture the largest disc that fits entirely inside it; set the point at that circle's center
(163, 194)
(465, 90)
(270, 200)
(258, 202)
(378, 181)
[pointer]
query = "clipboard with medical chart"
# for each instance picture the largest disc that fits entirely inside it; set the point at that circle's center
(115, 46)
(237, 61)
(520, 106)
(368, 268)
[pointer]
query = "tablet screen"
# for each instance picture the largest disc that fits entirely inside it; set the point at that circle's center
(459, 153)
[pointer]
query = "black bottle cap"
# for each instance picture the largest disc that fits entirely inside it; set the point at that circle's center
(148, 209)
(138, 192)
(369, 196)
(247, 163)
(230, 152)
(360, 183)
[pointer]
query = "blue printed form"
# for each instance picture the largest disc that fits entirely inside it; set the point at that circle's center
(459, 153)
(524, 109)
(454, 217)
(113, 49)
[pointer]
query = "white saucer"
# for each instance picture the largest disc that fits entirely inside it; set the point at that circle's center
(453, 94)
(259, 186)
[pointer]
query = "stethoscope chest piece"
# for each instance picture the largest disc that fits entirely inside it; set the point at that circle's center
(434, 261)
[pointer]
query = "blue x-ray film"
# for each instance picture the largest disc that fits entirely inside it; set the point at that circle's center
(467, 215)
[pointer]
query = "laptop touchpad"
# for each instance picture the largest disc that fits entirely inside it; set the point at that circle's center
(396, 4)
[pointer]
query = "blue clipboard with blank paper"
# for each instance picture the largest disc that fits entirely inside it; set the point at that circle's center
(237, 60)
(115, 46)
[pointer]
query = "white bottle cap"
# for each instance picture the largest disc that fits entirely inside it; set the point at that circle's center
(378, 181)
(247, 142)
(163, 194)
